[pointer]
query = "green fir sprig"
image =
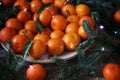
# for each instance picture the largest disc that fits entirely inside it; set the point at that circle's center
(8, 68)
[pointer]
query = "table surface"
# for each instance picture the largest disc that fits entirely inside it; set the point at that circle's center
(52, 69)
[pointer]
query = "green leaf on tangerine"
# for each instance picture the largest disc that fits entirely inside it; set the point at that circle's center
(27, 48)
(43, 7)
(38, 25)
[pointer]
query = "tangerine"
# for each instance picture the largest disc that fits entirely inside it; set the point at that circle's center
(53, 9)
(117, 16)
(82, 10)
(73, 18)
(14, 24)
(31, 26)
(41, 36)
(26, 33)
(90, 20)
(82, 33)
(60, 3)
(45, 17)
(58, 22)
(23, 4)
(36, 72)
(71, 41)
(38, 49)
(47, 31)
(35, 5)
(55, 46)
(6, 33)
(23, 16)
(19, 42)
(68, 9)
(111, 71)
(57, 34)
(72, 27)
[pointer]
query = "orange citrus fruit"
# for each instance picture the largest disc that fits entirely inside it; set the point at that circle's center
(45, 17)
(36, 72)
(90, 20)
(53, 9)
(55, 46)
(72, 27)
(82, 10)
(13, 23)
(47, 31)
(117, 16)
(58, 22)
(41, 36)
(31, 26)
(23, 4)
(60, 3)
(82, 33)
(23, 16)
(6, 33)
(26, 33)
(19, 42)
(57, 34)
(68, 9)
(38, 49)
(111, 71)
(71, 41)
(35, 5)
(73, 18)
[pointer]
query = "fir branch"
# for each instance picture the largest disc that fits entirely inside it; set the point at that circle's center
(81, 58)
(12, 60)
(62, 64)
(71, 72)
(92, 58)
(96, 17)
(8, 67)
(88, 28)
(91, 37)
(86, 62)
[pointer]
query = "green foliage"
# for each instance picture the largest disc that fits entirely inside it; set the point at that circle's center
(38, 25)
(8, 67)
(43, 7)
(27, 48)
(68, 73)
(96, 17)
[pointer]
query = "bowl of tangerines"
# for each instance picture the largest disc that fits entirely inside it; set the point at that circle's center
(44, 28)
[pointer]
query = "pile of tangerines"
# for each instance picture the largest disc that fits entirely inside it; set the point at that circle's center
(62, 30)
(61, 23)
